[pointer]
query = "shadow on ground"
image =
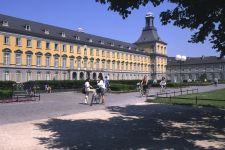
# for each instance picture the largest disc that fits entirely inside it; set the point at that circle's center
(141, 127)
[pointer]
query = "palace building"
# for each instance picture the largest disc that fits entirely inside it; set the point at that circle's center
(34, 51)
(195, 68)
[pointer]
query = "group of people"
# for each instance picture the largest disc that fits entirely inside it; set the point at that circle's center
(143, 85)
(102, 87)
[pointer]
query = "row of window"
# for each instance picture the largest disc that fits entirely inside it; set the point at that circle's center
(18, 76)
(161, 49)
(105, 64)
(119, 55)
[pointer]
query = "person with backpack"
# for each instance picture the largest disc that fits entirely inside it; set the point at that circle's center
(88, 89)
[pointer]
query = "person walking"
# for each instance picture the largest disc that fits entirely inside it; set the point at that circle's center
(106, 81)
(163, 84)
(88, 89)
(101, 86)
(215, 81)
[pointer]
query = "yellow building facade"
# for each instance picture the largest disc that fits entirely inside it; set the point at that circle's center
(35, 51)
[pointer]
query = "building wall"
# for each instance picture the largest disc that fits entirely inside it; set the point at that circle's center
(175, 73)
(49, 73)
(159, 60)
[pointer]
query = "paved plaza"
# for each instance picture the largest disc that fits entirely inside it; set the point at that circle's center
(62, 121)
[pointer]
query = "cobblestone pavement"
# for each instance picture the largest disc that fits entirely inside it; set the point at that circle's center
(64, 103)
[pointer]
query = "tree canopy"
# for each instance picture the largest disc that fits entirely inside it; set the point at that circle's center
(205, 17)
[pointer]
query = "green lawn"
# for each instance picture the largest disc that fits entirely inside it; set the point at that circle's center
(215, 96)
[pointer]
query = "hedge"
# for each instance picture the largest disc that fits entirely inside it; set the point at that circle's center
(4, 94)
(122, 87)
(6, 85)
(115, 85)
(75, 84)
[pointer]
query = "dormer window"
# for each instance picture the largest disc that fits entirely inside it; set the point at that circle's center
(5, 23)
(27, 27)
(46, 31)
(90, 40)
(101, 42)
(63, 34)
(77, 37)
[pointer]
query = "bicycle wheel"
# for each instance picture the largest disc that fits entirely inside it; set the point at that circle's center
(141, 92)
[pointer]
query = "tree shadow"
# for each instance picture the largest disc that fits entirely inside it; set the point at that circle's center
(140, 127)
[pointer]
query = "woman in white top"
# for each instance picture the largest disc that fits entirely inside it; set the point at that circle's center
(101, 85)
(87, 90)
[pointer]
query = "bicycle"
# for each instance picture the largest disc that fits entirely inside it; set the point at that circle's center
(144, 91)
(96, 97)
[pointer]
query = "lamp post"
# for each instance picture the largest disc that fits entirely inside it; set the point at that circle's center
(180, 59)
(204, 67)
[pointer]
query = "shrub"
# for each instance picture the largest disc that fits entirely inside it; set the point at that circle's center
(6, 85)
(4, 94)
(76, 84)
(122, 87)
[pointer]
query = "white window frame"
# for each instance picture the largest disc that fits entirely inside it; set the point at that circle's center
(64, 60)
(18, 41)
(18, 59)
(6, 58)
(29, 43)
(38, 60)
(29, 60)
(56, 62)
(6, 40)
(47, 61)
(39, 44)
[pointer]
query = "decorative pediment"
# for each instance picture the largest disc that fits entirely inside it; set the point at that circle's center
(29, 52)
(18, 51)
(7, 50)
(56, 55)
(64, 55)
(85, 57)
(79, 57)
(48, 54)
(39, 53)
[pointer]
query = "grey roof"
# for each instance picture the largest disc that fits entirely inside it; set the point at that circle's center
(16, 25)
(171, 61)
(149, 35)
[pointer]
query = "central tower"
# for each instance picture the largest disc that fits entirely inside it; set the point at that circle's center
(152, 44)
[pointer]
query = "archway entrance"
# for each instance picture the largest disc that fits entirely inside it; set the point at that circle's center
(74, 76)
(81, 76)
(88, 75)
(94, 76)
(100, 74)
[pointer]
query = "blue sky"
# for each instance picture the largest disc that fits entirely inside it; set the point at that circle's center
(94, 18)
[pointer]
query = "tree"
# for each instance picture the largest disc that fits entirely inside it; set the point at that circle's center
(204, 17)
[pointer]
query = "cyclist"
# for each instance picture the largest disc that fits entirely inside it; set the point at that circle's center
(144, 84)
